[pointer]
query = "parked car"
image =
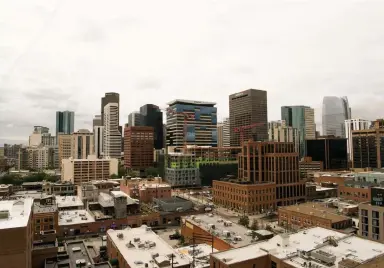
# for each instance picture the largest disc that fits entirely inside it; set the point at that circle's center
(174, 236)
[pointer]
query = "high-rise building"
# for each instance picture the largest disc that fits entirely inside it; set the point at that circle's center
(152, 116)
(97, 121)
(278, 162)
(181, 170)
(36, 138)
(11, 151)
(223, 134)
(246, 108)
(335, 111)
(65, 122)
(329, 150)
(368, 146)
(82, 144)
(111, 135)
(351, 125)
(138, 148)
(303, 119)
(40, 157)
(280, 132)
(64, 147)
(197, 120)
(110, 97)
(98, 137)
(135, 119)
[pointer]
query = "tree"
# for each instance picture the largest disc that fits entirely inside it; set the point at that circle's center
(114, 176)
(244, 220)
(182, 240)
(254, 235)
(255, 225)
(151, 172)
(121, 172)
(268, 228)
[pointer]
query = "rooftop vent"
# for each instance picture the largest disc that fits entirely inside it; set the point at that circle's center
(120, 235)
(136, 239)
(130, 245)
(325, 257)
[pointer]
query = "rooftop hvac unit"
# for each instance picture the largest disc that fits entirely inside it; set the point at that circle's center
(4, 214)
(69, 220)
(84, 218)
(130, 245)
(152, 244)
(325, 257)
(136, 239)
(155, 255)
(211, 226)
(141, 245)
(120, 235)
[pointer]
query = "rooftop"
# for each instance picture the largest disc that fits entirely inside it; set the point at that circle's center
(191, 102)
(233, 233)
(15, 213)
(201, 252)
(69, 201)
(140, 246)
(317, 210)
(107, 200)
(173, 200)
(70, 217)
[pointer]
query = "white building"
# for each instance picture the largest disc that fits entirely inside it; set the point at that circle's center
(112, 135)
(350, 125)
(279, 131)
(40, 157)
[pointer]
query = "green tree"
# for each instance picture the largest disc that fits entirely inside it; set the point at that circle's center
(121, 172)
(268, 227)
(114, 176)
(255, 225)
(254, 235)
(151, 172)
(244, 220)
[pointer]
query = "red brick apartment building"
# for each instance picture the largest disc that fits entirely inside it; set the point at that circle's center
(138, 147)
(145, 190)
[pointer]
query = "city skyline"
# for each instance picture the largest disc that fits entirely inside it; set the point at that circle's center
(43, 70)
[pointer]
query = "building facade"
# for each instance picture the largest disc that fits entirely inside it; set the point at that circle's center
(111, 135)
(40, 158)
(138, 147)
(82, 144)
(79, 171)
(97, 121)
(368, 147)
(371, 216)
(331, 151)
(181, 170)
(152, 116)
(135, 119)
(246, 108)
(278, 162)
(278, 131)
(335, 111)
(351, 125)
(65, 122)
(303, 119)
(98, 138)
(64, 147)
(223, 134)
(110, 97)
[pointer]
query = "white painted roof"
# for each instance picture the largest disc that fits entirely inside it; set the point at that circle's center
(18, 211)
(135, 256)
(70, 217)
(202, 254)
(69, 201)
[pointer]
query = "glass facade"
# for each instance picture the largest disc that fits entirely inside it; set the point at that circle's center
(65, 122)
(335, 111)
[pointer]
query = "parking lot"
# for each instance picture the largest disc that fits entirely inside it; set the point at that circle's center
(164, 234)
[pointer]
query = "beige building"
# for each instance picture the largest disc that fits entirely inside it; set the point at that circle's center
(82, 144)
(65, 147)
(40, 157)
(371, 223)
(79, 171)
(111, 134)
(310, 125)
(280, 132)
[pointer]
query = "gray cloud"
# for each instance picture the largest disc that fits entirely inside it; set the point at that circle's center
(148, 83)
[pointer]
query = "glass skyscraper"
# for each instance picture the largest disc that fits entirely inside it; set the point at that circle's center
(65, 122)
(335, 111)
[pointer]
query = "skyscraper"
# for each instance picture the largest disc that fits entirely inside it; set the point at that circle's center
(135, 119)
(65, 122)
(111, 135)
(351, 125)
(246, 108)
(223, 133)
(303, 119)
(197, 118)
(98, 132)
(97, 121)
(110, 97)
(152, 116)
(82, 144)
(335, 111)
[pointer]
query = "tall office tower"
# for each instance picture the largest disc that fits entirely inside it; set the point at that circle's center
(97, 121)
(11, 151)
(280, 132)
(135, 119)
(110, 97)
(246, 108)
(335, 111)
(138, 148)
(351, 125)
(35, 139)
(223, 134)
(303, 119)
(265, 162)
(82, 144)
(332, 151)
(368, 146)
(98, 133)
(152, 116)
(64, 147)
(192, 121)
(112, 135)
(65, 122)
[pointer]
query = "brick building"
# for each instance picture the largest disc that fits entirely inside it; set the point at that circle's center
(138, 147)
(146, 190)
(278, 162)
(247, 197)
(312, 214)
(308, 167)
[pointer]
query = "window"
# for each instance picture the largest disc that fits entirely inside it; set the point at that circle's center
(273, 264)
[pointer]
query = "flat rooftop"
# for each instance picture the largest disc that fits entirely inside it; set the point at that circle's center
(316, 209)
(29, 194)
(69, 201)
(231, 232)
(140, 246)
(200, 253)
(69, 217)
(15, 213)
(173, 200)
(191, 102)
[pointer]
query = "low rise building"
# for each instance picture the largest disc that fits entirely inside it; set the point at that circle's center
(16, 233)
(181, 170)
(89, 191)
(198, 254)
(316, 247)
(312, 214)
(308, 167)
(146, 190)
(211, 229)
(245, 196)
(79, 171)
(314, 191)
(141, 247)
(69, 203)
(58, 188)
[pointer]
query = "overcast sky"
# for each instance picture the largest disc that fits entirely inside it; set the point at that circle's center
(65, 54)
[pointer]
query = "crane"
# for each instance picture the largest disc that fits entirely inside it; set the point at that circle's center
(242, 128)
(187, 116)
